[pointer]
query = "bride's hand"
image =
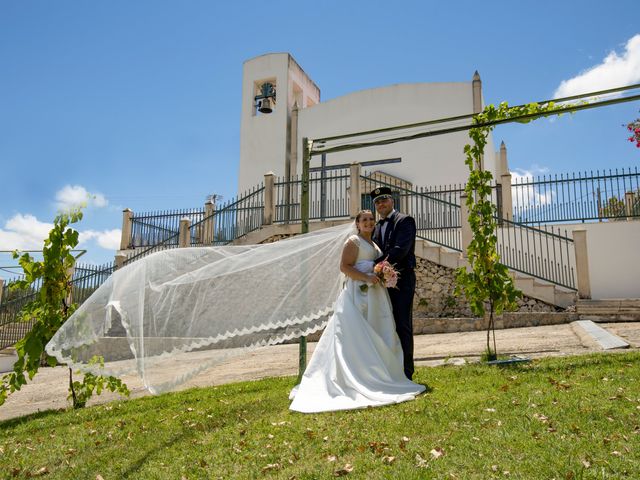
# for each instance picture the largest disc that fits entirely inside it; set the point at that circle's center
(373, 279)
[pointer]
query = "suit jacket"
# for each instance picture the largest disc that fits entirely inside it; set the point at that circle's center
(399, 244)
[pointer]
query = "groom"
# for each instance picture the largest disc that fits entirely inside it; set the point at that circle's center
(395, 234)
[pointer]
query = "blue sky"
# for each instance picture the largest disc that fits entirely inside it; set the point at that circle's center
(137, 103)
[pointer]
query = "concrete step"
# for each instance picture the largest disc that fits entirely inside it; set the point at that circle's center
(592, 333)
(613, 309)
(431, 325)
(531, 287)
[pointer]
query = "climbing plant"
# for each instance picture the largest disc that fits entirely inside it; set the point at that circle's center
(49, 310)
(487, 285)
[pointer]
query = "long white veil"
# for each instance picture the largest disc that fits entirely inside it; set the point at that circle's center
(176, 312)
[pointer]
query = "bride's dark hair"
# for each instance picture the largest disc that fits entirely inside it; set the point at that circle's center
(360, 213)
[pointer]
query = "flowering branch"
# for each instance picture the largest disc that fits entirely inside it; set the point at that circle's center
(634, 128)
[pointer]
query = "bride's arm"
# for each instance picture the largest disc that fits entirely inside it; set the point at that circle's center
(347, 262)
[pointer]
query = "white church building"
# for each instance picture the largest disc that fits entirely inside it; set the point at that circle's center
(273, 141)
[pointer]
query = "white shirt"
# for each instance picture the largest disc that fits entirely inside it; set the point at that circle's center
(383, 228)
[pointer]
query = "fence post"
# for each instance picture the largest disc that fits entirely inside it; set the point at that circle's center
(119, 260)
(582, 263)
(465, 231)
(628, 205)
(507, 201)
(355, 199)
(1, 289)
(269, 198)
(209, 223)
(184, 235)
(127, 227)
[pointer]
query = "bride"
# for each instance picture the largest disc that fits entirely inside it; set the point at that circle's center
(358, 361)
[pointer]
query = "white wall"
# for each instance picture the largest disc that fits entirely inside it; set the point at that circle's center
(437, 160)
(614, 258)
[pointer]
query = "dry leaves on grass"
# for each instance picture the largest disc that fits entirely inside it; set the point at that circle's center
(271, 466)
(437, 452)
(346, 470)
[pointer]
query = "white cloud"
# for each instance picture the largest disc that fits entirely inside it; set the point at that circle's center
(74, 196)
(24, 232)
(614, 71)
(524, 196)
(107, 239)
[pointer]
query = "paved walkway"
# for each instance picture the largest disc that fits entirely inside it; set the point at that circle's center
(49, 388)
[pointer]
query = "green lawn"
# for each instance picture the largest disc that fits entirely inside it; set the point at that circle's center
(563, 418)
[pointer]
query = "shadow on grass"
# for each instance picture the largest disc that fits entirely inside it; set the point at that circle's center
(17, 421)
(155, 450)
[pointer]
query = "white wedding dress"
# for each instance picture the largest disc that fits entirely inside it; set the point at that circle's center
(358, 361)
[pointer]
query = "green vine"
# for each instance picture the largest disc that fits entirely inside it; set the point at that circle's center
(487, 285)
(50, 309)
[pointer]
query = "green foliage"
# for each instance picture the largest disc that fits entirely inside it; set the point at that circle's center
(82, 391)
(50, 308)
(488, 284)
(565, 418)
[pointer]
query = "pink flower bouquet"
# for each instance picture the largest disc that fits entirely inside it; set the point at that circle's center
(385, 271)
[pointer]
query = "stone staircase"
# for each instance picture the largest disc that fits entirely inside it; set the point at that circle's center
(531, 287)
(609, 310)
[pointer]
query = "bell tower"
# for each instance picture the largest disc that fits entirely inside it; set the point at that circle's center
(274, 88)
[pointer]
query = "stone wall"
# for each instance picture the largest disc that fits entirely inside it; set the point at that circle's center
(434, 298)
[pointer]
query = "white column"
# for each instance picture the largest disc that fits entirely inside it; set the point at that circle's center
(119, 260)
(355, 200)
(184, 238)
(269, 198)
(209, 223)
(127, 227)
(628, 204)
(582, 263)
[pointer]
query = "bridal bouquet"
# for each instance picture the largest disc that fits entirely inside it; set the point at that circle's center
(385, 271)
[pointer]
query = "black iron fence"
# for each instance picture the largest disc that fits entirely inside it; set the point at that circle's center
(544, 252)
(581, 197)
(437, 220)
(328, 196)
(153, 228)
(86, 279)
(236, 218)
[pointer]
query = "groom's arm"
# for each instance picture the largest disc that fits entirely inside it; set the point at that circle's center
(405, 231)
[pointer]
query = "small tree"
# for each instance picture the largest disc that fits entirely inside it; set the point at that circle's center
(50, 309)
(487, 284)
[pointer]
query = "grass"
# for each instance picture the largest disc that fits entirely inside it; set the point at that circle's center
(563, 418)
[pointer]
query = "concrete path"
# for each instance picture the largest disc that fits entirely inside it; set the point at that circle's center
(49, 388)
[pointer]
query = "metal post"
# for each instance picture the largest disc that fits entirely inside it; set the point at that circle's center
(304, 228)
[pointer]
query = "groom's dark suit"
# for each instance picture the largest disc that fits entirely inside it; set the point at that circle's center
(398, 248)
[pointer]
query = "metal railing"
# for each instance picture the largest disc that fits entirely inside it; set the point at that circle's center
(152, 228)
(238, 217)
(85, 280)
(328, 196)
(570, 198)
(437, 220)
(543, 252)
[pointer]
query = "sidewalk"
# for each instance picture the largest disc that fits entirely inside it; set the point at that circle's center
(49, 388)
